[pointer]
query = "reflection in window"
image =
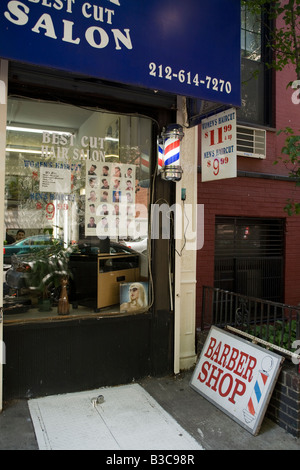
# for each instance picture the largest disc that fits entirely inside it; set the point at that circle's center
(251, 34)
(79, 178)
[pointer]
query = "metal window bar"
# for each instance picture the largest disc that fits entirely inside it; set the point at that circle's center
(268, 321)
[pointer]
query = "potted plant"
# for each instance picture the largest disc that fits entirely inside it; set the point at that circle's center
(48, 271)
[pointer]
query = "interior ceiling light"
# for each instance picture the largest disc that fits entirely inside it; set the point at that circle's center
(9, 149)
(36, 131)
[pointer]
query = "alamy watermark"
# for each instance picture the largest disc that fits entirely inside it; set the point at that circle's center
(175, 222)
(184, 223)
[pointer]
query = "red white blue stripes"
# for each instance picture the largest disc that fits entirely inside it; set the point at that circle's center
(172, 151)
(254, 401)
(160, 156)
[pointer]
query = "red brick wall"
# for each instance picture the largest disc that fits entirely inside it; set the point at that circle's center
(248, 197)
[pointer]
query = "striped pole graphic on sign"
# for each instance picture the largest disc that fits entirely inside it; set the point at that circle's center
(254, 401)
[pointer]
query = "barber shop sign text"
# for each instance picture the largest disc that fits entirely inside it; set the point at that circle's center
(236, 376)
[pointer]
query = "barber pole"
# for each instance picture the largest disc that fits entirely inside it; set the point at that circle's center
(160, 154)
(171, 170)
(172, 151)
(145, 162)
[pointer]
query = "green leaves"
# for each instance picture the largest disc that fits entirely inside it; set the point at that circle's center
(290, 156)
(48, 266)
(282, 333)
(283, 37)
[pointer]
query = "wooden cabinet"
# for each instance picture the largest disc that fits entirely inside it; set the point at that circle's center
(96, 278)
(112, 270)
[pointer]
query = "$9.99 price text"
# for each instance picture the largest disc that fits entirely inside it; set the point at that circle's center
(216, 157)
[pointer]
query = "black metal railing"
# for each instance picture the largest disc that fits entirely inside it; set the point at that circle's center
(253, 276)
(271, 322)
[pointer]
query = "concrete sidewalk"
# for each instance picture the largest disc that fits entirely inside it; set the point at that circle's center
(210, 427)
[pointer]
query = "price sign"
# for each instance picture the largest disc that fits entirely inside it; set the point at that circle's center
(218, 146)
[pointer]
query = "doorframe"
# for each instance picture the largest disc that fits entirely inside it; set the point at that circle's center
(3, 118)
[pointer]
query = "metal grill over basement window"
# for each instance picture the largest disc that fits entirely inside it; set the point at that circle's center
(249, 256)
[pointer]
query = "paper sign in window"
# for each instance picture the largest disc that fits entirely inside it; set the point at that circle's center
(55, 180)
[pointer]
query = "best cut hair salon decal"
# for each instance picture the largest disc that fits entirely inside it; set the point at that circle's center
(189, 48)
(236, 376)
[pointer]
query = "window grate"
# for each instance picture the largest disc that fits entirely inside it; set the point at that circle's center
(251, 142)
(249, 256)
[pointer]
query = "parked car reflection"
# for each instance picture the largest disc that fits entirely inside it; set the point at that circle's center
(138, 244)
(27, 245)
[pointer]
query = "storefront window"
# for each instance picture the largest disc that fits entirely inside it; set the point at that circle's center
(77, 195)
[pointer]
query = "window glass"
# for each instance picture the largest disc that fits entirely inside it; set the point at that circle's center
(256, 106)
(251, 35)
(77, 195)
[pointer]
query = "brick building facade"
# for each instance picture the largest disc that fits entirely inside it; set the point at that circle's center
(259, 193)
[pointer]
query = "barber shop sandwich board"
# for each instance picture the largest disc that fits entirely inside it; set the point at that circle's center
(238, 377)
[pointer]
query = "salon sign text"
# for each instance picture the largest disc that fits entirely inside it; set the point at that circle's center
(189, 48)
